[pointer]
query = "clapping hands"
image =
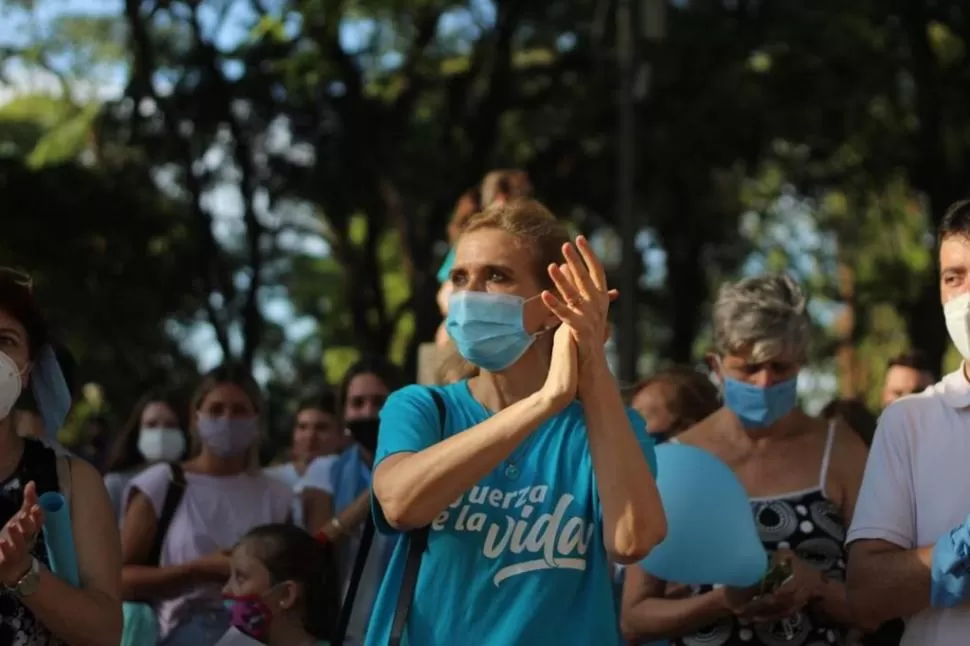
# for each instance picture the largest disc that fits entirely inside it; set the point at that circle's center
(17, 538)
(582, 306)
(583, 301)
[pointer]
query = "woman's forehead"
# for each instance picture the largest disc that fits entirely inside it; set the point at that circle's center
(11, 325)
(366, 383)
(754, 355)
(227, 393)
(489, 247)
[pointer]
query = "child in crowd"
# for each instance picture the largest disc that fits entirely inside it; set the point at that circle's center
(282, 590)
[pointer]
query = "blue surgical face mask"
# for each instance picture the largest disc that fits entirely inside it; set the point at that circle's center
(757, 406)
(488, 328)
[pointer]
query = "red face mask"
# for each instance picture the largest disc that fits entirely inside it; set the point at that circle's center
(249, 614)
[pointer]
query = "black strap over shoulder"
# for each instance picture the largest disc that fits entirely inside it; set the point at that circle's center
(360, 561)
(417, 542)
(176, 489)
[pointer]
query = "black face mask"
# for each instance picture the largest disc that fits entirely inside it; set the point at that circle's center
(364, 432)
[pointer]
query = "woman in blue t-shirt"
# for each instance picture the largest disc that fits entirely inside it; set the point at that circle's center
(521, 531)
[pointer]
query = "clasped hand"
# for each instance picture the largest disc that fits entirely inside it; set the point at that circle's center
(17, 538)
(804, 586)
(582, 306)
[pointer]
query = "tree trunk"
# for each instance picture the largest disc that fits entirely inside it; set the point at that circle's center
(850, 384)
(687, 285)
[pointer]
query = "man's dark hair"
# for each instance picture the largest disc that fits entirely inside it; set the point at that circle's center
(915, 360)
(955, 222)
(855, 414)
(324, 401)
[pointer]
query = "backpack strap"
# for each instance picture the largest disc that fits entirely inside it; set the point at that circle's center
(360, 561)
(417, 543)
(176, 489)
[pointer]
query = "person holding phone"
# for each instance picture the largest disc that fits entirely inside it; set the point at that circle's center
(802, 475)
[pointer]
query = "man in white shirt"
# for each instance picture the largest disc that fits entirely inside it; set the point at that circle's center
(908, 554)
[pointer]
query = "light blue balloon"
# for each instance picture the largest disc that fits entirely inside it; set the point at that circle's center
(711, 534)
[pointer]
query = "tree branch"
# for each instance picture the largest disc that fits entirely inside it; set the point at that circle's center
(414, 83)
(252, 320)
(212, 270)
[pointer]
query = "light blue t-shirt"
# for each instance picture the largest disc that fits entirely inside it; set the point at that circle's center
(519, 559)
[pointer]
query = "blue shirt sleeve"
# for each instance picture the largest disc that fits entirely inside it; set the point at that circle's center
(409, 423)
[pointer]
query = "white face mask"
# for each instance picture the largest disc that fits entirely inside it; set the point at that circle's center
(957, 314)
(161, 444)
(11, 384)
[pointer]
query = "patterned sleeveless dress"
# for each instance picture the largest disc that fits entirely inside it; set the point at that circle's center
(18, 627)
(809, 524)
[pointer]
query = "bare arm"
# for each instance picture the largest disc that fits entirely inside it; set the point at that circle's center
(886, 581)
(647, 616)
(140, 582)
(848, 465)
(633, 516)
(318, 510)
(352, 517)
(413, 488)
(888, 573)
(89, 615)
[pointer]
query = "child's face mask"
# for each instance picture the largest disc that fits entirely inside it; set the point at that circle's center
(253, 613)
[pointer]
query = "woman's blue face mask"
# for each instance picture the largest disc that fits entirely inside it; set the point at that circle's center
(488, 328)
(759, 406)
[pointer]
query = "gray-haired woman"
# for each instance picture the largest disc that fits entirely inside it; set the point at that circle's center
(802, 475)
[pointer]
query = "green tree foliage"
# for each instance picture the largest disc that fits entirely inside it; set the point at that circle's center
(311, 151)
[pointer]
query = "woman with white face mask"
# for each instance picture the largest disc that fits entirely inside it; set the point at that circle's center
(153, 433)
(179, 562)
(36, 607)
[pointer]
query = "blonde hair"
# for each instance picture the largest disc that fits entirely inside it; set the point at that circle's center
(237, 375)
(536, 231)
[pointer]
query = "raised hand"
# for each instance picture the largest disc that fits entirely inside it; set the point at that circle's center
(17, 538)
(563, 377)
(584, 299)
